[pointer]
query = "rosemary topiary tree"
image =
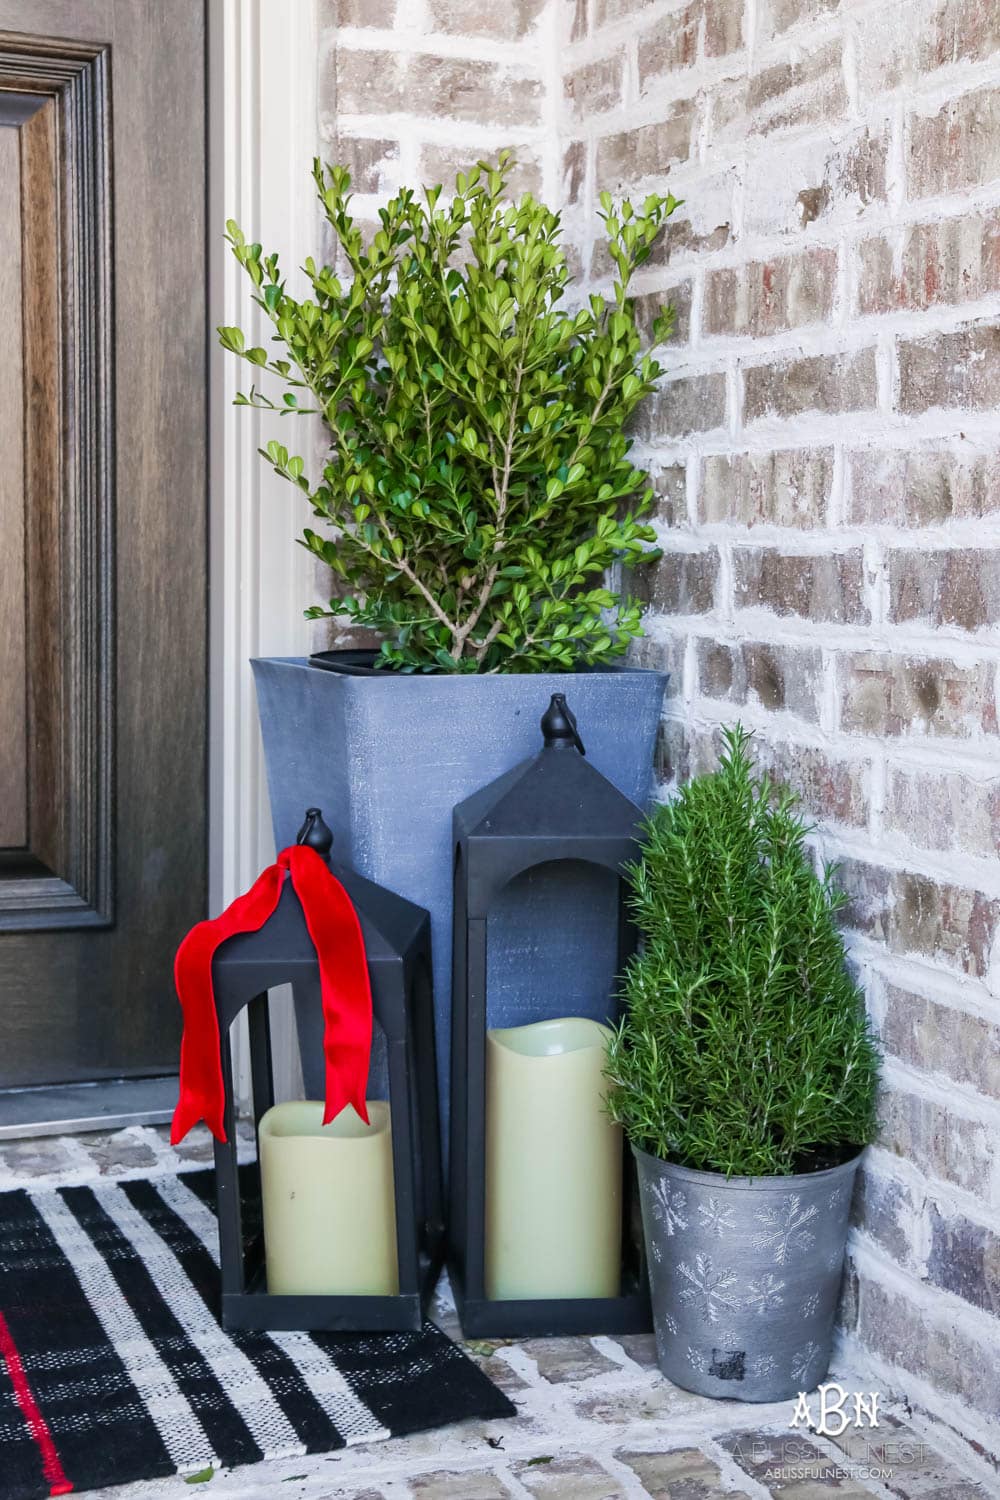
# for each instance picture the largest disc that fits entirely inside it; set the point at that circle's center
(478, 486)
(745, 1047)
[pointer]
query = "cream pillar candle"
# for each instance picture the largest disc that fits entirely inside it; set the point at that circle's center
(553, 1164)
(329, 1204)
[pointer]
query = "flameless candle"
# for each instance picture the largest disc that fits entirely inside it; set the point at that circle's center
(329, 1205)
(553, 1163)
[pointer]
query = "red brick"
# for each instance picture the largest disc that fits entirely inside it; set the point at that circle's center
(964, 1258)
(960, 587)
(595, 87)
(900, 40)
(781, 678)
(944, 810)
(936, 1141)
(882, 695)
(606, 11)
(942, 1039)
(574, 171)
(507, 23)
(809, 88)
(665, 653)
(957, 30)
(952, 261)
(941, 921)
(669, 44)
(959, 1358)
(457, 88)
(646, 150)
(832, 790)
(959, 147)
(776, 16)
(951, 369)
(816, 181)
(769, 296)
(681, 583)
(372, 13)
(694, 403)
(443, 163)
(676, 1471)
(790, 488)
(649, 305)
(723, 27)
(921, 486)
(920, 917)
(370, 162)
(821, 382)
(672, 41)
(828, 586)
(670, 484)
(885, 1209)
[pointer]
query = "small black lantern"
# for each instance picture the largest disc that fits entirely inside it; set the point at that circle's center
(554, 810)
(397, 943)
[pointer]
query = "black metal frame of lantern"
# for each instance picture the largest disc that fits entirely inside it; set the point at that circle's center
(397, 944)
(554, 807)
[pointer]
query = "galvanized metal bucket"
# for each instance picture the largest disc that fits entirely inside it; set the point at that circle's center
(745, 1275)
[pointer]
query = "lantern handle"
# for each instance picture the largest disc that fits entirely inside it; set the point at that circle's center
(316, 833)
(559, 725)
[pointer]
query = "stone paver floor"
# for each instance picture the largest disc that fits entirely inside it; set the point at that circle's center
(596, 1420)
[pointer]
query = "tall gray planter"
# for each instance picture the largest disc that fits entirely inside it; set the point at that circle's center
(387, 758)
(745, 1275)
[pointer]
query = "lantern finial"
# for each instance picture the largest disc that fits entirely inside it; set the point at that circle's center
(315, 833)
(559, 725)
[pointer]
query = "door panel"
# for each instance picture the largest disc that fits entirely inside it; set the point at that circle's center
(102, 530)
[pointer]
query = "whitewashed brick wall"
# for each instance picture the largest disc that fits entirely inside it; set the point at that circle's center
(826, 449)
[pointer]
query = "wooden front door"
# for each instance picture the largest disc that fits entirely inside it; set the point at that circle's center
(102, 530)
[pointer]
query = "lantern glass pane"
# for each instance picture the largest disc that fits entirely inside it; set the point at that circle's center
(552, 945)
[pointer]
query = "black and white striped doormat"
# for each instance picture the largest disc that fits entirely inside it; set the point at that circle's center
(113, 1365)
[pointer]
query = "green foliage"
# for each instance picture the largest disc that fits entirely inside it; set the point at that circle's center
(477, 487)
(745, 1047)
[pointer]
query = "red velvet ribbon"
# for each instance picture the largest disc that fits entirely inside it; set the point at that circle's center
(343, 970)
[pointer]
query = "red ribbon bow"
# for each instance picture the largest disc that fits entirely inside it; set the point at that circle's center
(343, 971)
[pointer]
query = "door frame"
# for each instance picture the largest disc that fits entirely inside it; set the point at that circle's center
(263, 132)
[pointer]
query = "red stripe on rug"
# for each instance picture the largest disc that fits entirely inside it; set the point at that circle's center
(37, 1425)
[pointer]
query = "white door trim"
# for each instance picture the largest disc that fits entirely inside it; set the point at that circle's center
(263, 134)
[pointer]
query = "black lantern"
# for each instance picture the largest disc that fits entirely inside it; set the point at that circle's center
(556, 814)
(397, 942)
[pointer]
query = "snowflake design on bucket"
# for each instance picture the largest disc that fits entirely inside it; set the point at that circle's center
(763, 1365)
(710, 1288)
(655, 1252)
(669, 1323)
(669, 1206)
(836, 1198)
(715, 1217)
(785, 1228)
(766, 1294)
(696, 1360)
(835, 1259)
(810, 1306)
(803, 1361)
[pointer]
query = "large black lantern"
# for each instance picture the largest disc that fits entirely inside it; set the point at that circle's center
(397, 942)
(556, 821)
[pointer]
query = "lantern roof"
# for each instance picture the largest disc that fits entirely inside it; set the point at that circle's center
(557, 794)
(389, 923)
